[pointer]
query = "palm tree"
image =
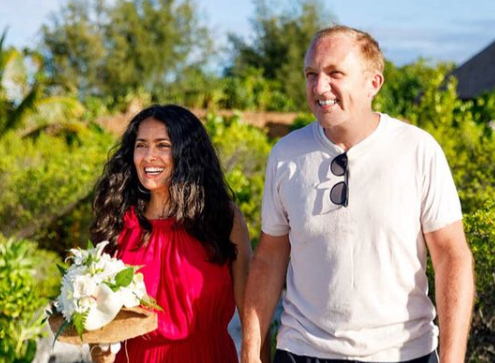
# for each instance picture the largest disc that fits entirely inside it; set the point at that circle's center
(24, 106)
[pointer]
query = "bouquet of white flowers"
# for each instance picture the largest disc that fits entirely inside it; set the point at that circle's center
(98, 289)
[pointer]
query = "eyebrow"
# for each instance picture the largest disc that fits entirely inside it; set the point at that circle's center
(325, 68)
(155, 140)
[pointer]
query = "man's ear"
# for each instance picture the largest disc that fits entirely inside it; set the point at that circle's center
(376, 82)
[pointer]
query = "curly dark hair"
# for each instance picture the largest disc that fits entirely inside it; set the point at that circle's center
(200, 199)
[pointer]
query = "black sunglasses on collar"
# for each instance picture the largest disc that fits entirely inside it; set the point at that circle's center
(340, 192)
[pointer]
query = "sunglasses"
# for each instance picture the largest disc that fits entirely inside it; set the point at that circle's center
(340, 192)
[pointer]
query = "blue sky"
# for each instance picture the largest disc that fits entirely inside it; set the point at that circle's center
(438, 30)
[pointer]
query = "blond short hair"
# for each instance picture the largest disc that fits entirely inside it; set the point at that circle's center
(367, 45)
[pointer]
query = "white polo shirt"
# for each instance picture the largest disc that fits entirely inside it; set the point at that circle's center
(356, 283)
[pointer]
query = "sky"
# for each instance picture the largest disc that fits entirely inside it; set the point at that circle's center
(437, 30)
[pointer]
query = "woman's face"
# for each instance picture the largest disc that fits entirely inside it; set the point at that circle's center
(153, 156)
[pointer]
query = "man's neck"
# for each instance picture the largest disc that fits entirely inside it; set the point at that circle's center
(352, 133)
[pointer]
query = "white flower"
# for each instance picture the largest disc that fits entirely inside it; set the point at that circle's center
(108, 305)
(78, 255)
(100, 247)
(88, 302)
(89, 287)
(84, 286)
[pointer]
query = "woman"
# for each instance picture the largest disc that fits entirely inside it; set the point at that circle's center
(163, 204)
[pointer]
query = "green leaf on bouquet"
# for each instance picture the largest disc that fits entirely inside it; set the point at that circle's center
(149, 302)
(62, 269)
(124, 277)
(90, 245)
(62, 328)
(48, 313)
(79, 319)
(90, 260)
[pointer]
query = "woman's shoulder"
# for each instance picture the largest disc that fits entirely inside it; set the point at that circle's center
(130, 219)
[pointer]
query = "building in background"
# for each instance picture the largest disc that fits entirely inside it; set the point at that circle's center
(477, 75)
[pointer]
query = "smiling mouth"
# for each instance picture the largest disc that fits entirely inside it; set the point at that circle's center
(153, 171)
(327, 102)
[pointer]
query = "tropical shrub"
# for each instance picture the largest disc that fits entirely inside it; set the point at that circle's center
(43, 178)
(480, 228)
(243, 151)
(27, 284)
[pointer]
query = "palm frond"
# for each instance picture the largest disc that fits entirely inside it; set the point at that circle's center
(54, 114)
(15, 118)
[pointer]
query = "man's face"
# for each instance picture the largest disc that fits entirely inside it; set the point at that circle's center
(339, 88)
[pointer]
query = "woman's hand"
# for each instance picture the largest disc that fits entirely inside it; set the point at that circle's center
(104, 353)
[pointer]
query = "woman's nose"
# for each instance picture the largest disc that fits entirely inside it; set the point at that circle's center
(150, 153)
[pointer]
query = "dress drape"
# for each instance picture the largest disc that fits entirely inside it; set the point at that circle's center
(196, 296)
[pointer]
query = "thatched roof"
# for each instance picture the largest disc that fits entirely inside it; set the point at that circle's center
(477, 75)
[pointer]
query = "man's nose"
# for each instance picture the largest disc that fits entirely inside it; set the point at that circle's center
(322, 84)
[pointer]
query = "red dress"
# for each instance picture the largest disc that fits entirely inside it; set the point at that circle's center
(196, 296)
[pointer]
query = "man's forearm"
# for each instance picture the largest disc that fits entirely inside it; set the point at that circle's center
(454, 284)
(264, 286)
(262, 294)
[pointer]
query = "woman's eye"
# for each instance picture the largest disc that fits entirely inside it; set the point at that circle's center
(163, 145)
(139, 146)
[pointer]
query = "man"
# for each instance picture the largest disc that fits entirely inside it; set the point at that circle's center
(351, 205)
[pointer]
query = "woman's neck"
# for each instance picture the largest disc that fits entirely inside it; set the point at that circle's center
(158, 206)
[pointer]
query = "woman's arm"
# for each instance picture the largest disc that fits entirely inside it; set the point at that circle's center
(240, 267)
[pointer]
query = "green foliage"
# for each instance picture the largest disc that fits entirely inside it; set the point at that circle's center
(279, 47)
(69, 230)
(250, 90)
(64, 326)
(302, 120)
(480, 228)
(25, 290)
(483, 110)
(243, 151)
(122, 279)
(43, 178)
(78, 321)
(25, 107)
(103, 47)
(149, 302)
(405, 88)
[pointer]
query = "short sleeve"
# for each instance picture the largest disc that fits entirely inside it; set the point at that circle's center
(274, 219)
(440, 201)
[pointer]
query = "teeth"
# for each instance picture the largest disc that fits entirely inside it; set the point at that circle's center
(153, 170)
(327, 102)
